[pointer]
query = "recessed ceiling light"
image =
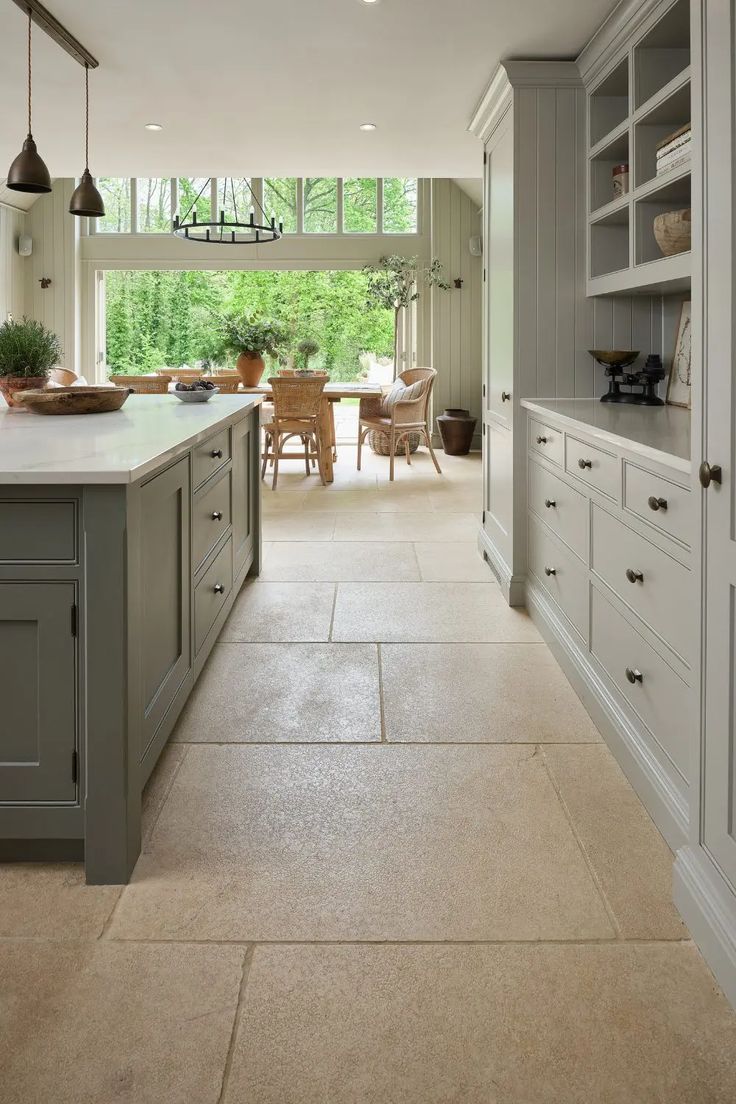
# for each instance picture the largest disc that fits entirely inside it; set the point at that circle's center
(370, 1)
(154, 126)
(368, 126)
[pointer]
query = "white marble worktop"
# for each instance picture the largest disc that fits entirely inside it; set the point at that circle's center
(660, 433)
(120, 447)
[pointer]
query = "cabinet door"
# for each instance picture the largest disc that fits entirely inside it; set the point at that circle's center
(499, 504)
(500, 272)
(165, 644)
(719, 422)
(38, 711)
(242, 510)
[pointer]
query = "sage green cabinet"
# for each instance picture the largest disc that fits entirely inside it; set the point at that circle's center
(38, 660)
(165, 638)
(244, 444)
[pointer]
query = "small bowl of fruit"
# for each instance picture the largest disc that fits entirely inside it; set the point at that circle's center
(195, 391)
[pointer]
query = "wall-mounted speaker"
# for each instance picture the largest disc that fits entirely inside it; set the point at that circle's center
(476, 247)
(25, 245)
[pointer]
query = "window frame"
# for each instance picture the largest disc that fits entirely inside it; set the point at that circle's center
(257, 185)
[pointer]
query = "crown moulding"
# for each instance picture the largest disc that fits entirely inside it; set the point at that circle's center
(514, 74)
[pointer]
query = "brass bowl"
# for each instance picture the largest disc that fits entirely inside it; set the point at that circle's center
(74, 400)
(614, 358)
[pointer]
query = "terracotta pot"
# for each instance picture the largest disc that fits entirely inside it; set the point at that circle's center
(673, 231)
(250, 368)
(9, 384)
(456, 428)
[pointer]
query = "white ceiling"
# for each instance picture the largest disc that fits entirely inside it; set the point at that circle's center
(275, 88)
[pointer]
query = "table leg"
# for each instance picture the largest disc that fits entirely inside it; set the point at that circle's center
(325, 436)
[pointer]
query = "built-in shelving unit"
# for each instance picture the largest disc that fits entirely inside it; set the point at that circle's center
(642, 99)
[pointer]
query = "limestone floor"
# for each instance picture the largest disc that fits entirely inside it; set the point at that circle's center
(387, 858)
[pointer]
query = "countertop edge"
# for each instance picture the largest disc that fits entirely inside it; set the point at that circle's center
(123, 476)
(670, 459)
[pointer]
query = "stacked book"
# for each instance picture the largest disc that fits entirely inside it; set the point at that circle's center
(674, 150)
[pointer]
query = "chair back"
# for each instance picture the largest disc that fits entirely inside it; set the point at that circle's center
(415, 375)
(297, 396)
(143, 385)
(228, 384)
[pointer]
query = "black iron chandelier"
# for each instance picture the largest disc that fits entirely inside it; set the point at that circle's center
(253, 228)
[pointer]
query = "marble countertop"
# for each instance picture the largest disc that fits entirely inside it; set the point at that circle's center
(120, 447)
(660, 433)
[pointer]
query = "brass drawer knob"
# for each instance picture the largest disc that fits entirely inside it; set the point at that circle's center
(583, 464)
(633, 675)
(657, 503)
(541, 440)
(550, 571)
(216, 454)
(634, 576)
(217, 515)
(218, 588)
(549, 503)
(709, 473)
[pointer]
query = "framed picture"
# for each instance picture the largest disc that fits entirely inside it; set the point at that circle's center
(678, 386)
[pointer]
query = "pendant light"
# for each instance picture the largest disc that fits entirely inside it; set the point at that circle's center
(28, 173)
(86, 200)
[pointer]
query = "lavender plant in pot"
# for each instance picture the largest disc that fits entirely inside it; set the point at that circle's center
(27, 353)
(251, 338)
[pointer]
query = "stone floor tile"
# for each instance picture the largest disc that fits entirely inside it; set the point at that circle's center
(281, 611)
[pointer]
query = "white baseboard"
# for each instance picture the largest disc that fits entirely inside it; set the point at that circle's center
(708, 907)
(665, 801)
(512, 586)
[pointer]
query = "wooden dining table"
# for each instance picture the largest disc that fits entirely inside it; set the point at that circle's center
(332, 393)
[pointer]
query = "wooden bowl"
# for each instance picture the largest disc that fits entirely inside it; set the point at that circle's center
(673, 231)
(74, 400)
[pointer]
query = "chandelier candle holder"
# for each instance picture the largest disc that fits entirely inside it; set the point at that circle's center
(253, 228)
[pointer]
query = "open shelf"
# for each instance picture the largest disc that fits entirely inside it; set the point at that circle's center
(673, 195)
(602, 163)
(609, 241)
(662, 53)
(669, 112)
(609, 102)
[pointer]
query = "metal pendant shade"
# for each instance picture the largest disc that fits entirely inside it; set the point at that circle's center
(86, 200)
(28, 173)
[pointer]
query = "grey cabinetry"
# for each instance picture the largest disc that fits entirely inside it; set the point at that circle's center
(531, 123)
(38, 658)
(244, 442)
(165, 639)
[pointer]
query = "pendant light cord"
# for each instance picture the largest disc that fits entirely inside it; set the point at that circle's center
(86, 116)
(29, 71)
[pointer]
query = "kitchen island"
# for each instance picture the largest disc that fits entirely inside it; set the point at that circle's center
(124, 540)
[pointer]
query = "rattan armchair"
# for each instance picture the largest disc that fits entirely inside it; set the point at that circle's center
(297, 401)
(404, 417)
(143, 385)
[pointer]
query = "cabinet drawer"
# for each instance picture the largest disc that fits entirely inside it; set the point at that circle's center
(659, 697)
(565, 510)
(210, 455)
(546, 441)
(567, 582)
(597, 468)
(211, 512)
(211, 593)
(659, 502)
(38, 531)
(657, 587)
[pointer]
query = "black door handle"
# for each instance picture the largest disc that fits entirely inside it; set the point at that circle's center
(708, 474)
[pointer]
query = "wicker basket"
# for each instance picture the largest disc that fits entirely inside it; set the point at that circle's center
(379, 443)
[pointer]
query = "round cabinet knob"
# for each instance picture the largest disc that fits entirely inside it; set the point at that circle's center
(583, 464)
(634, 576)
(549, 503)
(633, 675)
(550, 571)
(541, 440)
(505, 396)
(709, 473)
(218, 588)
(216, 454)
(657, 503)
(217, 515)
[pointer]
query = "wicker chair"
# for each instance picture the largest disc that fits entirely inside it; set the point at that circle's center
(228, 384)
(406, 416)
(297, 401)
(143, 385)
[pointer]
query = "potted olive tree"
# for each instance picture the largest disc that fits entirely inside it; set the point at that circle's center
(306, 350)
(27, 352)
(251, 338)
